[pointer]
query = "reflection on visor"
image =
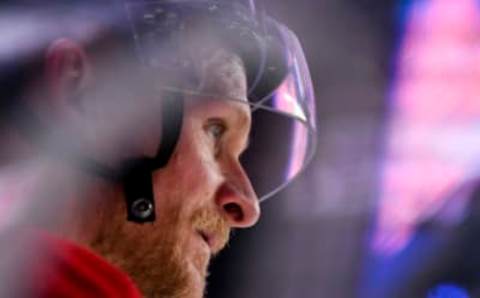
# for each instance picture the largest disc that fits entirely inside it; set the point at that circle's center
(299, 151)
(285, 100)
(279, 86)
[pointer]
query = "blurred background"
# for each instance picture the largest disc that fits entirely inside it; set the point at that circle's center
(387, 208)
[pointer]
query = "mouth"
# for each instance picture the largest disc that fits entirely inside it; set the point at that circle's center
(209, 239)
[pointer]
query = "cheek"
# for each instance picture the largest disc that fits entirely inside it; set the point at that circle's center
(201, 171)
(191, 177)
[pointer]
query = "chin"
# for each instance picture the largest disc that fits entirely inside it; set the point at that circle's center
(198, 271)
(197, 286)
(184, 271)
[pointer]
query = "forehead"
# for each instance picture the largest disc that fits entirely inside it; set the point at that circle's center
(221, 75)
(223, 87)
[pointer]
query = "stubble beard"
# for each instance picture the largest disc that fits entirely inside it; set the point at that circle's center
(153, 255)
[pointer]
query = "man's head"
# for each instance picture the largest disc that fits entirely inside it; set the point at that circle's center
(200, 195)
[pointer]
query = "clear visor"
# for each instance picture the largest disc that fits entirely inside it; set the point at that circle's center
(283, 136)
(174, 38)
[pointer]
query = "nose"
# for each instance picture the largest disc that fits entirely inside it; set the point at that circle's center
(237, 201)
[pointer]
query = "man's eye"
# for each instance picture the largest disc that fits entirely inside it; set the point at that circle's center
(216, 128)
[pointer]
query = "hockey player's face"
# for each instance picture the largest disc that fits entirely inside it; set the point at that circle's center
(200, 195)
(204, 192)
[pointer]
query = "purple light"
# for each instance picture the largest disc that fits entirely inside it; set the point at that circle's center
(433, 143)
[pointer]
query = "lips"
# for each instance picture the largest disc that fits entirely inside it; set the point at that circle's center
(208, 238)
(211, 229)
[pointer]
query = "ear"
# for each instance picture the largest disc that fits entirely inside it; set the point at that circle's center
(67, 70)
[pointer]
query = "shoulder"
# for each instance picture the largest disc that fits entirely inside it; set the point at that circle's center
(42, 265)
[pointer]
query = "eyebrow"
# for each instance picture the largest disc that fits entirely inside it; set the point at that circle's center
(242, 116)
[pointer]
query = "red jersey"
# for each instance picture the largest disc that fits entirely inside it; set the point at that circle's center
(38, 265)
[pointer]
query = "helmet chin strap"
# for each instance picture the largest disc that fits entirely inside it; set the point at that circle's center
(134, 174)
(137, 177)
